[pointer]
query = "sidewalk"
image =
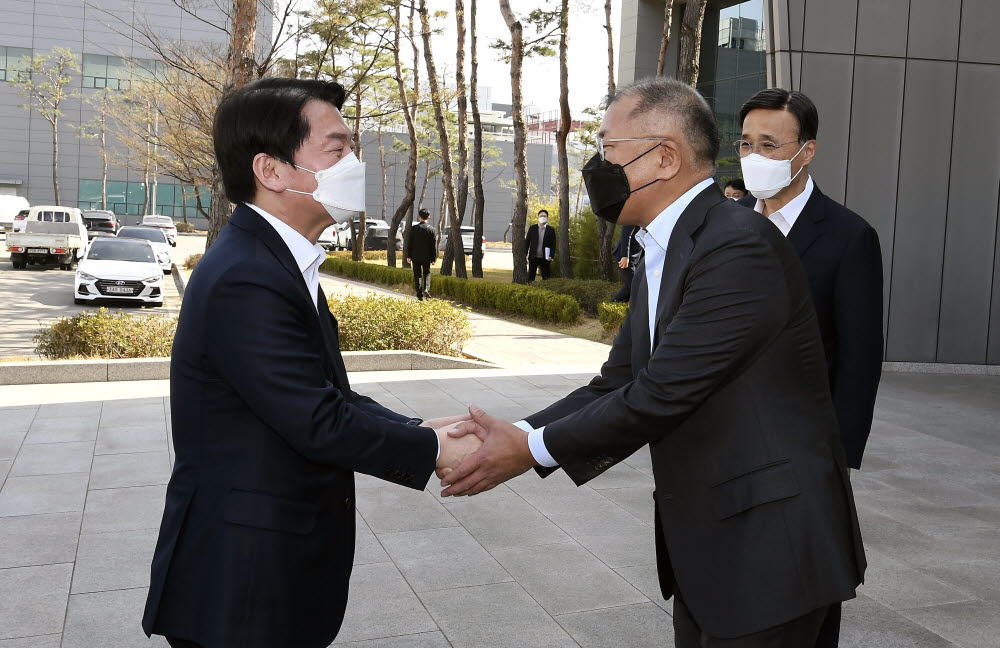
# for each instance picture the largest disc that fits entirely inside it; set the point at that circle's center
(534, 563)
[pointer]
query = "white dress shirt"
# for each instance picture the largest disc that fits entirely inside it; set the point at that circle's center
(785, 217)
(654, 238)
(308, 256)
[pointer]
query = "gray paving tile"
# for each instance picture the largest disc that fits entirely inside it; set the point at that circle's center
(53, 458)
(504, 521)
(127, 414)
(381, 604)
(33, 600)
(556, 494)
(641, 461)
(616, 537)
(434, 559)
(645, 579)
(132, 438)
(10, 443)
(367, 548)
(108, 620)
(124, 509)
(866, 624)
(422, 640)
(38, 539)
(89, 409)
(395, 508)
(38, 641)
(43, 494)
(898, 586)
(494, 616)
(637, 500)
(566, 578)
(138, 469)
(62, 430)
(970, 623)
(16, 419)
(113, 561)
(5, 470)
(621, 476)
(637, 626)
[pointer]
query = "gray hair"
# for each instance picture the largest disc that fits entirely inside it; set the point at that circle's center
(676, 99)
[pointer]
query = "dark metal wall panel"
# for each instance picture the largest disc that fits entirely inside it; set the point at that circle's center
(993, 348)
(796, 14)
(921, 206)
(934, 29)
(980, 19)
(827, 80)
(882, 27)
(830, 26)
(876, 124)
(970, 242)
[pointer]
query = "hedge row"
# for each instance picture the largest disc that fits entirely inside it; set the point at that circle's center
(589, 292)
(612, 315)
(514, 299)
(103, 334)
(380, 323)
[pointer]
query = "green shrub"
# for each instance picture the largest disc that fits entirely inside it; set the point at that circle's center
(515, 299)
(184, 228)
(370, 255)
(584, 244)
(192, 261)
(589, 292)
(103, 334)
(381, 323)
(612, 315)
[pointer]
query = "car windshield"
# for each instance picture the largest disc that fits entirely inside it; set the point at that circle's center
(108, 249)
(156, 236)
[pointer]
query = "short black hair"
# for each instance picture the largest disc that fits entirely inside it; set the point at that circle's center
(671, 96)
(738, 184)
(543, 211)
(423, 214)
(801, 107)
(264, 116)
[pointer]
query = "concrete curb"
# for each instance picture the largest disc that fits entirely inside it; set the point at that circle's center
(179, 280)
(941, 368)
(84, 371)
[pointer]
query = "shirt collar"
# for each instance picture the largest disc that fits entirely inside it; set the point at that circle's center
(305, 253)
(660, 229)
(793, 209)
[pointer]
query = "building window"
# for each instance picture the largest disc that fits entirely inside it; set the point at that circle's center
(114, 72)
(12, 61)
(127, 198)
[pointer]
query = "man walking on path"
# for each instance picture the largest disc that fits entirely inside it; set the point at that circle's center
(421, 251)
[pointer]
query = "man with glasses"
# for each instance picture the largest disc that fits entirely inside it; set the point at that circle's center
(841, 255)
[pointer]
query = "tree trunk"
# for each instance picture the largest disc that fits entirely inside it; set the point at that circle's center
(358, 253)
(55, 158)
(694, 16)
(447, 176)
(479, 203)
(668, 12)
(611, 47)
(219, 209)
(410, 181)
(104, 154)
(605, 231)
(462, 185)
(381, 161)
(520, 274)
(565, 121)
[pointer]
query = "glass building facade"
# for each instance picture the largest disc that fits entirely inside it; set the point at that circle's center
(128, 198)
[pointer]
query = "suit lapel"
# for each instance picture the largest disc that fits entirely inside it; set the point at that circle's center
(249, 220)
(639, 306)
(807, 227)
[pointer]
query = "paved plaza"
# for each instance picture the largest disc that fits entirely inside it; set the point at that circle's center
(533, 563)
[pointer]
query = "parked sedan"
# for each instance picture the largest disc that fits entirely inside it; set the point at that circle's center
(119, 268)
(157, 238)
(164, 223)
(100, 220)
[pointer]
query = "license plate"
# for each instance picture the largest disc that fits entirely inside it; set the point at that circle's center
(37, 251)
(119, 290)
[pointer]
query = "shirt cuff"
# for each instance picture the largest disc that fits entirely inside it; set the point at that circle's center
(536, 443)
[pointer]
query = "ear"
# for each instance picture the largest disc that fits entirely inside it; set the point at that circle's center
(270, 173)
(670, 157)
(809, 152)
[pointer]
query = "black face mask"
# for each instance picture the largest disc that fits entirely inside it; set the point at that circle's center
(607, 186)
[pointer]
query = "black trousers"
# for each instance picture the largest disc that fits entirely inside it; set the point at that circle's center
(535, 264)
(829, 633)
(421, 276)
(797, 633)
(182, 643)
(625, 292)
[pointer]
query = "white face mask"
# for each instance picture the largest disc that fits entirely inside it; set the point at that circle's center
(543, 220)
(340, 189)
(765, 177)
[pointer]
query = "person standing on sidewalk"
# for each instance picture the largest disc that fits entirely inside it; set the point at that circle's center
(629, 254)
(420, 251)
(541, 245)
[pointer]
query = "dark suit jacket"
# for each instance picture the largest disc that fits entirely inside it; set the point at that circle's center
(421, 244)
(531, 240)
(843, 262)
(757, 514)
(257, 539)
(627, 245)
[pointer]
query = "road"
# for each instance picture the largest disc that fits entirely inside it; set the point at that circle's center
(37, 296)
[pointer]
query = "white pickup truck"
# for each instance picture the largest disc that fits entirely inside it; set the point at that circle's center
(48, 235)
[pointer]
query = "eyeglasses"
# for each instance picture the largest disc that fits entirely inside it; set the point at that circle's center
(601, 141)
(767, 149)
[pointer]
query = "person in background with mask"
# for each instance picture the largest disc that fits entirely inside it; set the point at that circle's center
(628, 252)
(840, 253)
(735, 189)
(719, 368)
(256, 544)
(541, 245)
(420, 250)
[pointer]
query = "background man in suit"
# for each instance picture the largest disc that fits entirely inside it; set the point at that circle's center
(421, 251)
(628, 251)
(257, 539)
(541, 245)
(719, 368)
(735, 189)
(839, 251)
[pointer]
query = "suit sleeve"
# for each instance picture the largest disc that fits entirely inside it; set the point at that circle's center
(735, 303)
(259, 343)
(408, 244)
(858, 320)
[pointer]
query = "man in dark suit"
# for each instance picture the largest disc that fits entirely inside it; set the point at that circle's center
(421, 251)
(719, 368)
(541, 245)
(841, 256)
(257, 538)
(628, 252)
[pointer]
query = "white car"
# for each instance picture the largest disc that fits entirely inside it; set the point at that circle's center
(157, 239)
(328, 238)
(117, 268)
(164, 223)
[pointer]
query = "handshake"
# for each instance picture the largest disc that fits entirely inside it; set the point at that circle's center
(479, 452)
